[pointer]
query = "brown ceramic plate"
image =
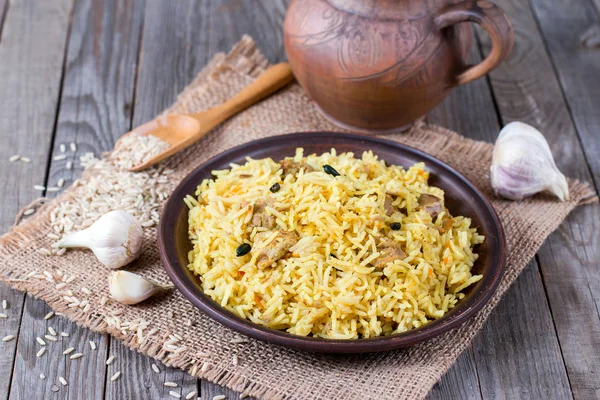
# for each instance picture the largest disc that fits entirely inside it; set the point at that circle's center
(462, 198)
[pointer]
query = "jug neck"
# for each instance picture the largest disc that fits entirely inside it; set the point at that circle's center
(389, 9)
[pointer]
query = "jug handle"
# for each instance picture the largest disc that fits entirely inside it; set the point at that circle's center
(496, 24)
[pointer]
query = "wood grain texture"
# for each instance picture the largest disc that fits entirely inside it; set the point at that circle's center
(470, 110)
(139, 381)
(170, 55)
(31, 61)
(578, 70)
(98, 82)
(82, 376)
(527, 89)
(517, 352)
(3, 10)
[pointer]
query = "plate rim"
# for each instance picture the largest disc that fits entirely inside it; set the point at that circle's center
(326, 345)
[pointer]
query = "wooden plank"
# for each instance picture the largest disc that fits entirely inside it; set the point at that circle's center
(97, 88)
(470, 110)
(578, 69)
(171, 53)
(527, 89)
(517, 352)
(139, 381)
(263, 21)
(81, 374)
(3, 10)
(31, 59)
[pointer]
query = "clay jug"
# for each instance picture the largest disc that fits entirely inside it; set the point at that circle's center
(378, 65)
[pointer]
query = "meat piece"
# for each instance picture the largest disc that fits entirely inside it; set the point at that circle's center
(390, 251)
(430, 204)
(447, 222)
(269, 253)
(260, 216)
(387, 205)
(291, 167)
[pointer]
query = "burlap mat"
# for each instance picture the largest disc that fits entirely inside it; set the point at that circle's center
(268, 371)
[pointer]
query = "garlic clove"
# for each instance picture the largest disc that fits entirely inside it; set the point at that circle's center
(522, 164)
(116, 239)
(129, 288)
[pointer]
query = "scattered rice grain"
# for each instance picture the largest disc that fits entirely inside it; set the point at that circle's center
(14, 158)
(174, 394)
(2, 315)
(68, 351)
(62, 148)
(219, 397)
(51, 338)
(73, 147)
(76, 356)
(61, 182)
(235, 360)
(69, 165)
(40, 341)
(155, 368)
(86, 290)
(170, 384)
(42, 376)
(29, 212)
(61, 252)
(41, 352)
(39, 187)
(115, 376)
(110, 360)
(4, 304)
(64, 334)
(25, 159)
(62, 380)
(49, 315)
(60, 285)
(190, 395)
(92, 345)
(59, 157)
(8, 338)
(52, 331)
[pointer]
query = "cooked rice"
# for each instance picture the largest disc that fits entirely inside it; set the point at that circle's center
(326, 286)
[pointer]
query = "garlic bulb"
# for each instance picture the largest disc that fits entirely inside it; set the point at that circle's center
(522, 164)
(129, 288)
(115, 238)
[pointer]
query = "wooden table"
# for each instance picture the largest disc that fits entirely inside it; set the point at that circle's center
(86, 71)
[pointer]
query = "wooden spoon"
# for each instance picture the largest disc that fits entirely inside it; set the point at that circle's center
(181, 130)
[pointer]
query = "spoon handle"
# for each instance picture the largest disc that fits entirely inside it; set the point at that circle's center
(273, 79)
